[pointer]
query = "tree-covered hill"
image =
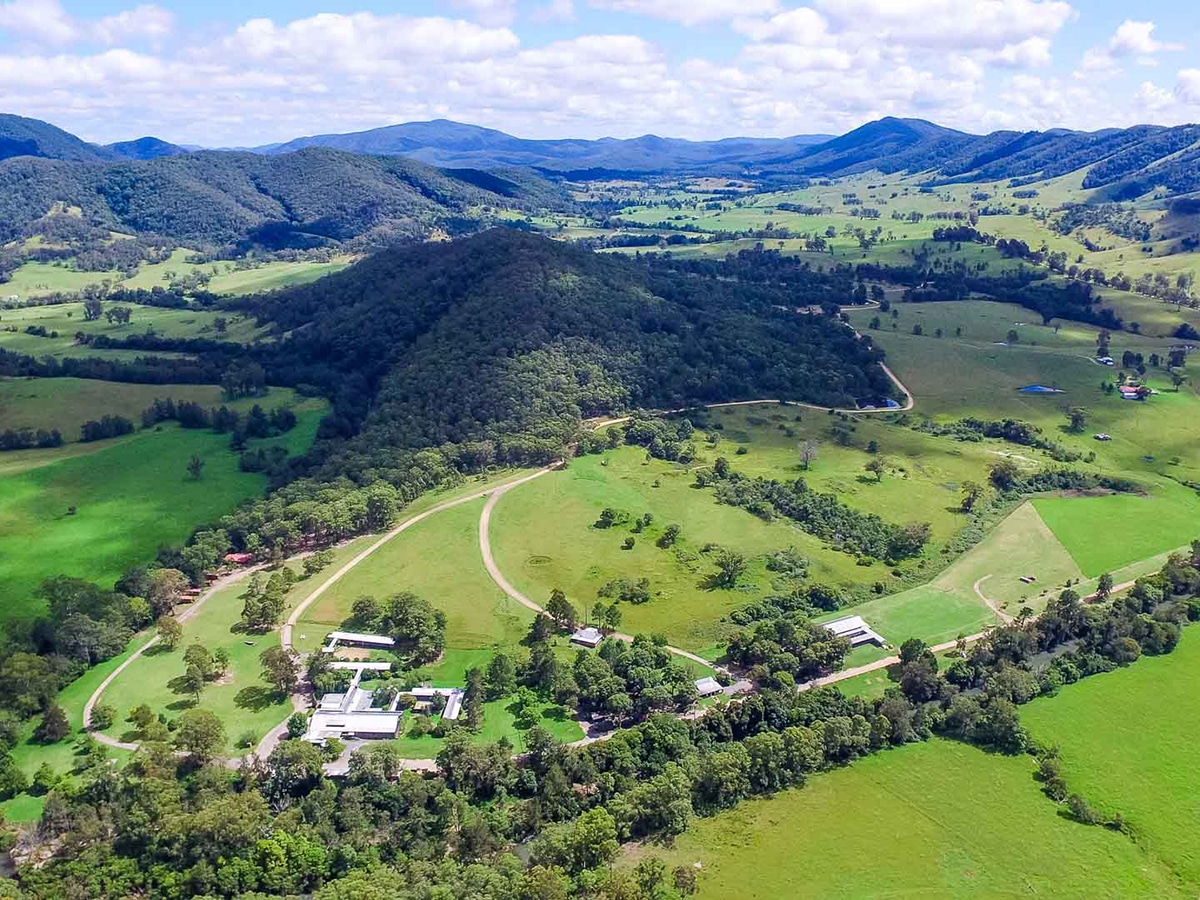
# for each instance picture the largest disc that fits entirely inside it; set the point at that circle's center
(20, 136)
(218, 198)
(510, 339)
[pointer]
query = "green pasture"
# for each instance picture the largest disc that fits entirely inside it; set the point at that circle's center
(937, 819)
(130, 498)
(67, 319)
(37, 279)
(66, 403)
(948, 606)
(1128, 747)
(1106, 533)
(543, 536)
(439, 560)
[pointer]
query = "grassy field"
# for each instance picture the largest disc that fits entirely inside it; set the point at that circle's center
(67, 319)
(140, 482)
(929, 820)
(438, 560)
(499, 721)
(245, 704)
(36, 279)
(1128, 746)
(1107, 533)
(66, 403)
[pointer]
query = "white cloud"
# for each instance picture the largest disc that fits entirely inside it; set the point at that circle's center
(489, 12)
(1187, 86)
(692, 12)
(961, 24)
(1137, 39)
(147, 21)
(555, 11)
(1028, 54)
(40, 20)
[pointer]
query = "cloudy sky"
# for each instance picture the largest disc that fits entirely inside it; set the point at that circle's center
(226, 73)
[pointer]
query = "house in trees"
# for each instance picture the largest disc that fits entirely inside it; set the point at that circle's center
(708, 686)
(355, 639)
(855, 630)
(588, 637)
(353, 714)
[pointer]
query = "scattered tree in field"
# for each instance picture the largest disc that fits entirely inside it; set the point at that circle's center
(93, 309)
(1012, 337)
(561, 611)
(220, 662)
(418, 629)
(192, 682)
(316, 562)
(1077, 418)
(1104, 587)
(195, 467)
(669, 536)
(279, 669)
(730, 567)
(198, 656)
(170, 632)
(1177, 379)
(53, 727)
(1004, 474)
(971, 492)
(200, 734)
(102, 717)
(876, 467)
(808, 452)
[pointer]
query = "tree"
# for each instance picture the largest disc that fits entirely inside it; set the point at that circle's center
(279, 669)
(93, 309)
(197, 656)
(669, 536)
(808, 452)
(103, 716)
(1005, 475)
(195, 467)
(561, 611)
(472, 707)
(200, 734)
(876, 467)
(54, 725)
(501, 676)
(1104, 587)
(971, 492)
(730, 567)
(1177, 379)
(1012, 337)
(297, 724)
(164, 589)
(1077, 418)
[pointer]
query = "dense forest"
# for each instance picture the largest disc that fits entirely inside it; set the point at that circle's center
(214, 199)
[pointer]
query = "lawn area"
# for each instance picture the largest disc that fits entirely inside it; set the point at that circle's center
(244, 703)
(937, 819)
(1106, 533)
(498, 722)
(140, 482)
(66, 403)
(1128, 743)
(439, 560)
(272, 275)
(948, 606)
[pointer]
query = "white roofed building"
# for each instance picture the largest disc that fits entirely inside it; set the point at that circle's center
(588, 637)
(855, 630)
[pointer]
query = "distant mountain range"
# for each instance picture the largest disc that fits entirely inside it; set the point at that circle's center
(343, 187)
(445, 143)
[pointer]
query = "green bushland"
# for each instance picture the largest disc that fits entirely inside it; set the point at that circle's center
(140, 482)
(1127, 742)
(938, 819)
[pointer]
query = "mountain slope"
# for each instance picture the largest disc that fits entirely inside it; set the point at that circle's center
(511, 338)
(32, 137)
(445, 143)
(218, 198)
(144, 148)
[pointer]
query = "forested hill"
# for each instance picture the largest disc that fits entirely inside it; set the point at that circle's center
(217, 198)
(1126, 162)
(510, 339)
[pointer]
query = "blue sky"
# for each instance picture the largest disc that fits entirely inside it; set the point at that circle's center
(225, 73)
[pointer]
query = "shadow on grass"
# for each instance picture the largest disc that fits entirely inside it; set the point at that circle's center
(256, 698)
(555, 714)
(159, 649)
